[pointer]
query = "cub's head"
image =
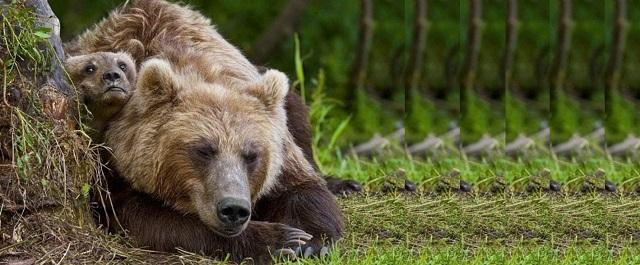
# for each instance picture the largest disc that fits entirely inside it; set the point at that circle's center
(104, 80)
(200, 147)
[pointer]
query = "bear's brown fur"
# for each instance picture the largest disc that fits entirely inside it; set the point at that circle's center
(203, 99)
(105, 81)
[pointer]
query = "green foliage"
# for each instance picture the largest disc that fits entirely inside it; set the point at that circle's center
(21, 41)
(477, 117)
(19, 45)
(422, 117)
(622, 117)
(325, 126)
(367, 114)
(566, 116)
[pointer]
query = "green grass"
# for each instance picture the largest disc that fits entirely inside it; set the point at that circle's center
(401, 228)
(379, 254)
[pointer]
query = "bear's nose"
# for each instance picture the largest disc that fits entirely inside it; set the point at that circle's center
(234, 211)
(111, 76)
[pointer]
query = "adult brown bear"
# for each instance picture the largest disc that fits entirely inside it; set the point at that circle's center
(114, 35)
(202, 145)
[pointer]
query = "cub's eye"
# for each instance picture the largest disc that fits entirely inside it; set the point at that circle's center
(90, 69)
(206, 152)
(123, 67)
(250, 158)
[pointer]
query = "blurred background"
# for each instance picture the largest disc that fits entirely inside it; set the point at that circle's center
(517, 77)
(492, 76)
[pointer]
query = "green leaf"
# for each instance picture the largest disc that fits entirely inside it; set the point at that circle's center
(299, 68)
(85, 190)
(338, 132)
(42, 33)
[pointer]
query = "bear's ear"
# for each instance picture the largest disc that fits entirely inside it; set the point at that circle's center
(271, 89)
(156, 79)
(135, 48)
(74, 63)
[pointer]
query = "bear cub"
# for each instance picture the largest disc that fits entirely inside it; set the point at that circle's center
(104, 81)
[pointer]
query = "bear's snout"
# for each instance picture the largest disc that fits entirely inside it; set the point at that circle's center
(111, 77)
(233, 213)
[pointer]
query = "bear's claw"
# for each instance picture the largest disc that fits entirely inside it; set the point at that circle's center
(310, 251)
(342, 187)
(295, 233)
(286, 253)
(294, 241)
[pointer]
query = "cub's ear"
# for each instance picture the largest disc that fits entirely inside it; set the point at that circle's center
(73, 64)
(135, 48)
(271, 89)
(156, 80)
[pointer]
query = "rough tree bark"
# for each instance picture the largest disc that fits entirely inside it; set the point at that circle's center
(282, 27)
(474, 39)
(415, 65)
(563, 43)
(54, 87)
(619, 37)
(365, 36)
(511, 42)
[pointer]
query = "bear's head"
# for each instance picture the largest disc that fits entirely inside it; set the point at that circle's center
(199, 147)
(104, 80)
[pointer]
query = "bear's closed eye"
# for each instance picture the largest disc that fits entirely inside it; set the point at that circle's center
(206, 151)
(250, 158)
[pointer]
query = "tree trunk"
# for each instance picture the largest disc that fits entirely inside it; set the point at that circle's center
(365, 36)
(618, 45)
(415, 65)
(282, 27)
(511, 43)
(563, 43)
(474, 39)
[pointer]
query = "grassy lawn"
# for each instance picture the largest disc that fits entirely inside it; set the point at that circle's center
(513, 227)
